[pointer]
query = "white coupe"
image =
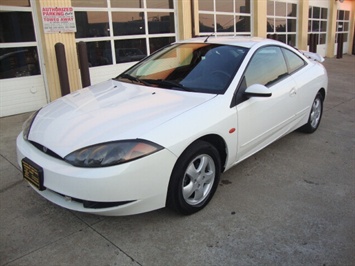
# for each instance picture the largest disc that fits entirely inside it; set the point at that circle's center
(161, 133)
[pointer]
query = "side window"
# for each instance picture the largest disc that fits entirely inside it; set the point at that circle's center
(266, 67)
(293, 60)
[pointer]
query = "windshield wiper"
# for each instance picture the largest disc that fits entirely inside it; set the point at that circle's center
(131, 78)
(166, 83)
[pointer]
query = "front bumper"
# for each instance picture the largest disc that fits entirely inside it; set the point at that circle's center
(137, 186)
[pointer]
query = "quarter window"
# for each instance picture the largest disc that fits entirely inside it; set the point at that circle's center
(294, 61)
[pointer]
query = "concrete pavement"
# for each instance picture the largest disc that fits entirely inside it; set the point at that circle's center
(291, 204)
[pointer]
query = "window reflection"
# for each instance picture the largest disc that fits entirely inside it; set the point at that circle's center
(242, 24)
(224, 6)
(128, 23)
(157, 43)
(99, 53)
(91, 24)
(16, 27)
(225, 23)
(159, 22)
(206, 5)
(127, 3)
(160, 3)
(18, 62)
(206, 23)
(89, 3)
(130, 50)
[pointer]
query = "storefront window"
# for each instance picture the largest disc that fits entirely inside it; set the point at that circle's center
(228, 16)
(317, 23)
(19, 62)
(128, 23)
(282, 21)
(343, 21)
(130, 50)
(124, 30)
(89, 3)
(161, 22)
(16, 27)
(99, 53)
(91, 24)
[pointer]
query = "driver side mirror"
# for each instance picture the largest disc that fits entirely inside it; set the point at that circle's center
(257, 90)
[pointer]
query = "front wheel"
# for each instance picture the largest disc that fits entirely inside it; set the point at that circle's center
(315, 115)
(194, 179)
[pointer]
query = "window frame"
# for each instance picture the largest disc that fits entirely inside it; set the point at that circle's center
(146, 35)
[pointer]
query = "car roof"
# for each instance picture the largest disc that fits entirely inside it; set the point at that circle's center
(243, 41)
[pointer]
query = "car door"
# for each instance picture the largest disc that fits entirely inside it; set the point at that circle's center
(262, 120)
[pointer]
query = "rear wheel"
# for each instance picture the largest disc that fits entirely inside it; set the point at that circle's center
(194, 179)
(315, 115)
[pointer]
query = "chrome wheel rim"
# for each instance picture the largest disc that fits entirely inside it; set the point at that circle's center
(198, 179)
(316, 112)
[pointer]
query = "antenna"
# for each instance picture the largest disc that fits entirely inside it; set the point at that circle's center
(208, 37)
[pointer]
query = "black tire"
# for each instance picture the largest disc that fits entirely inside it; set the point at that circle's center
(194, 179)
(315, 115)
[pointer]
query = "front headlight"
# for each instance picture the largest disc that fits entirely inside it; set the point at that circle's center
(26, 127)
(111, 153)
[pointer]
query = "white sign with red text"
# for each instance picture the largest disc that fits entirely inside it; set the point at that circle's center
(58, 19)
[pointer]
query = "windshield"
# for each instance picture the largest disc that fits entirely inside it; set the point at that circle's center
(198, 67)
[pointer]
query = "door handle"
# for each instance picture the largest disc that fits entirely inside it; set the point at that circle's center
(293, 92)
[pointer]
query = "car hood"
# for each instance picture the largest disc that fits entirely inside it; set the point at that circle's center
(108, 111)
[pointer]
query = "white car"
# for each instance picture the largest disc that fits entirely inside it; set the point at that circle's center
(161, 133)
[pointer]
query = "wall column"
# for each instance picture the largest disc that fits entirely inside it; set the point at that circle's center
(259, 19)
(184, 20)
(332, 21)
(302, 33)
(50, 61)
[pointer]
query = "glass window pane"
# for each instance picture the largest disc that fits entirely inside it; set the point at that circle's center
(346, 26)
(281, 38)
(265, 67)
(224, 23)
(242, 24)
(130, 50)
(23, 3)
(310, 12)
(292, 10)
(128, 23)
(89, 3)
(99, 53)
(224, 6)
(160, 22)
(91, 24)
(160, 3)
(157, 43)
(18, 62)
(340, 26)
(316, 12)
(206, 5)
(346, 15)
(323, 26)
(280, 24)
(324, 13)
(270, 8)
(16, 27)
(270, 25)
(315, 26)
(340, 14)
(280, 9)
(206, 23)
(345, 37)
(294, 61)
(242, 6)
(322, 39)
(291, 25)
(127, 3)
(291, 39)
